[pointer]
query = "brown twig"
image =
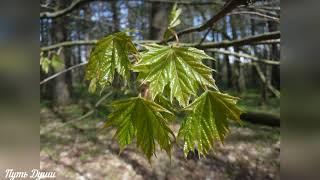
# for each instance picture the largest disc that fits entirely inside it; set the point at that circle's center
(228, 7)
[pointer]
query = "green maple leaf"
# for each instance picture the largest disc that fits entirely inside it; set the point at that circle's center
(179, 67)
(207, 121)
(56, 63)
(110, 55)
(173, 21)
(45, 64)
(144, 120)
(174, 16)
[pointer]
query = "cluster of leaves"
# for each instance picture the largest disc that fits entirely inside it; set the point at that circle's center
(55, 62)
(172, 74)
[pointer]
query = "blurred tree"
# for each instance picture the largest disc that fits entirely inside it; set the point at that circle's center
(61, 94)
(158, 20)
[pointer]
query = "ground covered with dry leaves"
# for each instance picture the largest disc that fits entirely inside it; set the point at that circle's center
(78, 150)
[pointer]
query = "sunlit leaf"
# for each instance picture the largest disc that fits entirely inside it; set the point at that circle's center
(44, 64)
(173, 21)
(56, 63)
(93, 85)
(207, 121)
(174, 16)
(179, 67)
(110, 55)
(143, 120)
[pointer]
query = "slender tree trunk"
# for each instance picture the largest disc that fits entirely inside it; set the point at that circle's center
(227, 61)
(267, 72)
(217, 64)
(254, 80)
(275, 55)
(61, 94)
(115, 16)
(238, 78)
(236, 66)
(158, 20)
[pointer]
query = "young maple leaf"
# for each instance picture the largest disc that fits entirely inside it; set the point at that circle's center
(207, 122)
(179, 67)
(143, 120)
(110, 55)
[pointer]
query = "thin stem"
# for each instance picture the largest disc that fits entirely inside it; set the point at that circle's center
(175, 35)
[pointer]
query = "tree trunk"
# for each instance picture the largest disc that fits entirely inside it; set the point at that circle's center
(238, 79)
(217, 63)
(61, 94)
(158, 20)
(115, 16)
(275, 55)
(227, 61)
(254, 74)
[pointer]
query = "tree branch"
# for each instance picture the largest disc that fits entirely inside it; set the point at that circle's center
(253, 39)
(267, 38)
(271, 41)
(69, 43)
(253, 58)
(68, 9)
(264, 80)
(62, 72)
(239, 42)
(270, 13)
(228, 7)
(257, 14)
(194, 3)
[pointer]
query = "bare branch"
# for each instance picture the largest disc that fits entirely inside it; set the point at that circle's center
(239, 42)
(59, 13)
(253, 58)
(195, 3)
(270, 8)
(205, 36)
(85, 42)
(257, 14)
(256, 9)
(62, 72)
(228, 7)
(267, 38)
(271, 41)
(68, 43)
(245, 41)
(264, 80)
